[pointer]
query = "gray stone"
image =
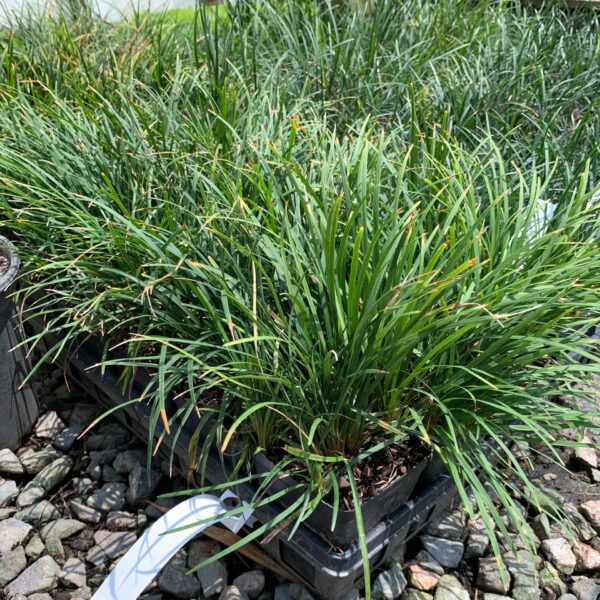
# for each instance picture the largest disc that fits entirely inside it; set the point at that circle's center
(66, 439)
(112, 430)
(140, 487)
(450, 526)
(49, 426)
(477, 545)
(107, 440)
(94, 470)
(568, 597)
(7, 512)
(585, 531)
(111, 544)
(591, 511)
(73, 573)
(61, 528)
(424, 557)
(126, 461)
(83, 593)
(586, 455)
(492, 576)
(586, 589)
(509, 523)
(81, 485)
(595, 475)
(390, 584)
(111, 496)
(83, 414)
(488, 596)
(41, 576)
(524, 575)
(42, 596)
(9, 463)
(12, 532)
(53, 474)
(103, 457)
(109, 475)
(8, 492)
(447, 552)
(559, 553)
(96, 556)
(85, 513)
(96, 441)
(142, 519)
(83, 542)
(232, 592)
(541, 527)
(550, 580)
(36, 461)
(55, 548)
(98, 578)
(11, 565)
(510, 543)
(412, 594)
(251, 583)
(174, 580)
(478, 540)
(30, 495)
(450, 588)
(524, 590)
(396, 556)
(121, 520)
(213, 578)
(39, 513)
(35, 547)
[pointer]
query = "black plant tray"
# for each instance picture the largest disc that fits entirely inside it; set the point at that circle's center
(329, 572)
(373, 509)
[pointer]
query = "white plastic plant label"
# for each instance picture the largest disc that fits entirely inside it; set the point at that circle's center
(157, 546)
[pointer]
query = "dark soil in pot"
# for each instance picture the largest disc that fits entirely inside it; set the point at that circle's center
(380, 471)
(385, 481)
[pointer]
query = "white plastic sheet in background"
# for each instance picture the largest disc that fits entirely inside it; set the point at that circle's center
(111, 10)
(157, 546)
(541, 218)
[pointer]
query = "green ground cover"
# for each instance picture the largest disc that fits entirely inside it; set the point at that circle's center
(322, 229)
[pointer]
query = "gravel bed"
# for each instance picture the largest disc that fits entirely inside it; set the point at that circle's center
(70, 508)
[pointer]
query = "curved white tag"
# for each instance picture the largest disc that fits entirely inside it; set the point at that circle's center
(144, 560)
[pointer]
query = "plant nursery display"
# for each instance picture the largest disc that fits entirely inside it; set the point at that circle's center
(335, 251)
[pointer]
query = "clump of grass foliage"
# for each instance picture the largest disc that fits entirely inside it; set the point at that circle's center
(331, 223)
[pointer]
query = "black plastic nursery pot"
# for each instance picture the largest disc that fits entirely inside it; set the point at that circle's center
(18, 402)
(374, 510)
(327, 570)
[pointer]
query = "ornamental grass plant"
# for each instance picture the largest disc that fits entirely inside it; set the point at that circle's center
(323, 231)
